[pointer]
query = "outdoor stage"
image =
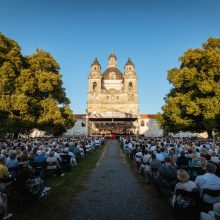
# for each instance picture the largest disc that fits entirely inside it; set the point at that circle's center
(108, 123)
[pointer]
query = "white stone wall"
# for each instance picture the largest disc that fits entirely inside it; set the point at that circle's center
(78, 129)
(113, 84)
(150, 128)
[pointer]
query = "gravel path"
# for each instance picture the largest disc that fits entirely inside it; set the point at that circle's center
(112, 192)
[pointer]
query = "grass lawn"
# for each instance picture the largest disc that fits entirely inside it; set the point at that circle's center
(56, 204)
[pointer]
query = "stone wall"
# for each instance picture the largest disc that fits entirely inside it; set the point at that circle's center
(149, 127)
(80, 128)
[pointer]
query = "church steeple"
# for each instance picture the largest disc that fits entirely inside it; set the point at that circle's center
(95, 66)
(129, 62)
(112, 60)
(129, 66)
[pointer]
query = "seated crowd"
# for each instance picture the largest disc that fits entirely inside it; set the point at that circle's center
(187, 169)
(25, 164)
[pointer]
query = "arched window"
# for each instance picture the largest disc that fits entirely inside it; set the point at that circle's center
(94, 86)
(130, 86)
(142, 123)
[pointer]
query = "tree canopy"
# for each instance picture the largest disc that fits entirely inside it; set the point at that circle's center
(31, 91)
(193, 104)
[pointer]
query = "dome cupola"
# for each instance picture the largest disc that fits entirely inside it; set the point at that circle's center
(112, 60)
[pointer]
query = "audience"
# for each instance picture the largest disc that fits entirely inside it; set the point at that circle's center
(208, 181)
(175, 164)
(171, 163)
(182, 160)
(20, 160)
(212, 215)
(184, 184)
(4, 173)
(40, 157)
(4, 178)
(166, 176)
(151, 169)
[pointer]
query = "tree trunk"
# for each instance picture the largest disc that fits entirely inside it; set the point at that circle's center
(15, 135)
(165, 133)
(210, 136)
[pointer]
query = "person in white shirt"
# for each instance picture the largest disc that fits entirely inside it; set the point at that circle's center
(138, 157)
(145, 160)
(214, 158)
(183, 184)
(212, 215)
(159, 155)
(57, 155)
(209, 181)
(152, 147)
(130, 146)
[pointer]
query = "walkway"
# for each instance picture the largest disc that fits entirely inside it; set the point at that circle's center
(113, 192)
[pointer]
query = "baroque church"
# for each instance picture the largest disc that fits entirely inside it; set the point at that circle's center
(112, 90)
(112, 105)
(112, 98)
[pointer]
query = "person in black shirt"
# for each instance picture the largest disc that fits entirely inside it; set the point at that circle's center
(166, 177)
(182, 160)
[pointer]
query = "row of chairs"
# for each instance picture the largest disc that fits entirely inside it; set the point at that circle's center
(196, 203)
(49, 167)
(195, 200)
(65, 164)
(22, 176)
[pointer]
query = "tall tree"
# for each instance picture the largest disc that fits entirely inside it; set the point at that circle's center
(193, 104)
(31, 91)
(11, 63)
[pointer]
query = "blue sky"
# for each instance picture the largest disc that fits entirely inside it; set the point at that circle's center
(154, 33)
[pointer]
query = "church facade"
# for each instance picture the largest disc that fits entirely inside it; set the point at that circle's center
(112, 98)
(112, 105)
(112, 90)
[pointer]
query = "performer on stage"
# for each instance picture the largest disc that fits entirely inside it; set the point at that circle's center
(112, 135)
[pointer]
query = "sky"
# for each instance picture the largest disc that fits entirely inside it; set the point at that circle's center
(154, 33)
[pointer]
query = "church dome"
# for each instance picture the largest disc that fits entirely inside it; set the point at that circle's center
(112, 73)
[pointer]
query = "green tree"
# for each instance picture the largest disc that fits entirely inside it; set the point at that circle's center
(11, 63)
(31, 91)
(193, 104)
